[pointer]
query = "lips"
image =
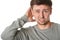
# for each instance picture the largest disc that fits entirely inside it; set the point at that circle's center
(41, 20)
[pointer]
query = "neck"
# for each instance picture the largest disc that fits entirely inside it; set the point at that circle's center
(46, 26)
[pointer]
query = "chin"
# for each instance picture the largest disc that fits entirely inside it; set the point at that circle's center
(42, 23)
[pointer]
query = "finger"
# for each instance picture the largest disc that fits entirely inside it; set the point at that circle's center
(28, 11)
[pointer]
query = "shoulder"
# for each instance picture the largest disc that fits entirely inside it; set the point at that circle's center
(57, 25)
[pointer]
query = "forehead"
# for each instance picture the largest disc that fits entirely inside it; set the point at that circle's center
(41, 7)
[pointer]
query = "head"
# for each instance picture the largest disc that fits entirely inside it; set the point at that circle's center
(41, 10)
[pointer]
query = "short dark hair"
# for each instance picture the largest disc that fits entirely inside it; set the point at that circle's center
(39, 2)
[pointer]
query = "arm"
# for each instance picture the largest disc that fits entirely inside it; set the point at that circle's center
(10, 31)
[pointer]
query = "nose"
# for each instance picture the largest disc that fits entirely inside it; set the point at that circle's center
(41, 14)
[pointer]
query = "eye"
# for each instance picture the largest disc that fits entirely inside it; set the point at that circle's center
(46, 11)
(37, 11)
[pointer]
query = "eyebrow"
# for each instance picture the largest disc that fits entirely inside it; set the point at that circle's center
(43, 9)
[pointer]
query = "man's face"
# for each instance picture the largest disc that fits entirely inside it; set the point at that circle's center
(41, 13)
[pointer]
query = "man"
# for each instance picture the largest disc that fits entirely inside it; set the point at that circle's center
(44, 30)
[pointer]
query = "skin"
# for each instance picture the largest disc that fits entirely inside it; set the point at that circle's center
(41, 13)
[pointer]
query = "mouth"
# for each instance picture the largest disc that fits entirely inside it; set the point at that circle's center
(41, 20)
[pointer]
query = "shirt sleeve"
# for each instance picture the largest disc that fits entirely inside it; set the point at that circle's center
(21, 35)
(10, 31)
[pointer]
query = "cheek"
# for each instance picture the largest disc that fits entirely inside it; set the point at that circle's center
(46, 16)
(35, 16)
